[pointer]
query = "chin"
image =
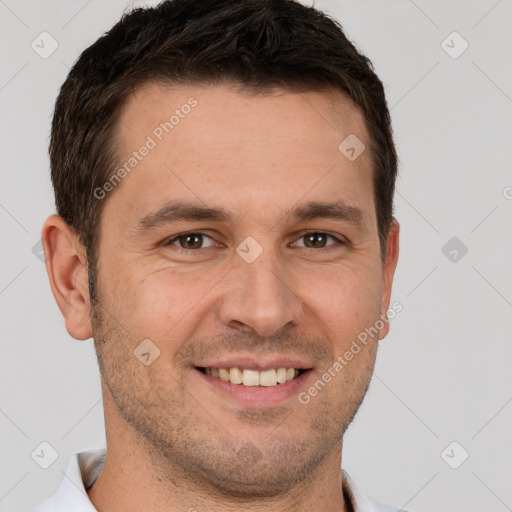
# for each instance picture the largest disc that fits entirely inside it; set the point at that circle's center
(267, 470)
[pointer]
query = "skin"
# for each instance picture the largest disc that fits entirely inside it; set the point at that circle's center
(174, 443)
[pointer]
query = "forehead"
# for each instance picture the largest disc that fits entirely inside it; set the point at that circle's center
(308, 115)
(257, 153)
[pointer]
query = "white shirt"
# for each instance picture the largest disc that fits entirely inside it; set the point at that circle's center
(84, 467)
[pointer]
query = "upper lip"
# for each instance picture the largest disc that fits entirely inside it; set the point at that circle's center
(259, 363)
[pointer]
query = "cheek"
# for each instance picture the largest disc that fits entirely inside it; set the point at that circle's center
(167, 300)
(346, 297)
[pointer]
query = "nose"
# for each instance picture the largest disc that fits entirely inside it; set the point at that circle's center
(260, 297)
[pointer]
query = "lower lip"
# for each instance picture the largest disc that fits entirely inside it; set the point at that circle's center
(256, 396)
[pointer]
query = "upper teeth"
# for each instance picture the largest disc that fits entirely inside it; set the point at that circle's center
(253, 377)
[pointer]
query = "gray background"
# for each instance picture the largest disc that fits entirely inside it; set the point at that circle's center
(443, 372)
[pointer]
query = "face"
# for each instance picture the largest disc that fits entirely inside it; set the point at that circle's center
(241, 238)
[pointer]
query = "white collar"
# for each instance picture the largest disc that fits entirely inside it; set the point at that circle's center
(84, 467)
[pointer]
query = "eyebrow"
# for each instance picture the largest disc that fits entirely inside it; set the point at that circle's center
(182, 211)
(187, 211)
(337, 211)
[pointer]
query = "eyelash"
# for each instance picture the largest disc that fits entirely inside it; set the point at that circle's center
(302, 235)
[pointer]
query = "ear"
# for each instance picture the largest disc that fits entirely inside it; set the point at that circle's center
(66, 264)
(388, 272)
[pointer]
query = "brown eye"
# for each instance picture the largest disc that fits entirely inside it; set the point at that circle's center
(189, 241)
(315, 240)
(318, 240)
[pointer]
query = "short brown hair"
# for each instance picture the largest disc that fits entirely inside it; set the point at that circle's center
(259, 44)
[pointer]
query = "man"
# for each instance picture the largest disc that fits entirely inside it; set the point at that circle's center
(224, 175)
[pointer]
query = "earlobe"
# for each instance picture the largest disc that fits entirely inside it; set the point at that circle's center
(66, 265)
(388, 272)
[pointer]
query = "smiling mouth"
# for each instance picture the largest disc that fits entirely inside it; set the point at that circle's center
(253, 378)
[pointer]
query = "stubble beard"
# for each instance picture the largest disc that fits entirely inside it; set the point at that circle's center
(186, 445)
